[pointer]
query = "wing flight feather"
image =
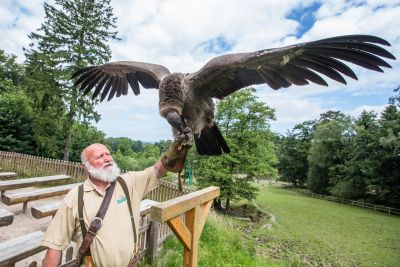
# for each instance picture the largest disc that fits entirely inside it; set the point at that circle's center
(297, 64)
(113, 79)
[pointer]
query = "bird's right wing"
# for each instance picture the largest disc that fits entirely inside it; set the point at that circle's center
(113, 78)
(297, 64)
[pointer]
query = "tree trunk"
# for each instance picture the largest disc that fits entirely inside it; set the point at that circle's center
(67, 144)
(69, 123)
(227, 206)
(217, 204)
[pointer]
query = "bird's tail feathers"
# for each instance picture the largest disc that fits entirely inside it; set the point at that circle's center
(211, 142)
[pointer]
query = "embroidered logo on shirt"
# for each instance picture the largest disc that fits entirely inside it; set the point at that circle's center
(121, 199)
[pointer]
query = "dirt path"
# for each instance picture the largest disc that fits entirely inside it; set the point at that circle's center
(272, 216)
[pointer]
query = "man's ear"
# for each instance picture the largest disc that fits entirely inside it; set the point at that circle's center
(83, 165)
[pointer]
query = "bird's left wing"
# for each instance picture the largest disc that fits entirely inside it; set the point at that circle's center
(113, 78)
(296, 64)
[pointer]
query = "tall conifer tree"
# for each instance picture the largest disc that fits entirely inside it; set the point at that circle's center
(75, 34)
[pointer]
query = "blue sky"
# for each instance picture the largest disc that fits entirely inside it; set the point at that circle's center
(183, 35)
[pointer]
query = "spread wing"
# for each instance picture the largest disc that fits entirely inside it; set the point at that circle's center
(296, 64)
(113, 78)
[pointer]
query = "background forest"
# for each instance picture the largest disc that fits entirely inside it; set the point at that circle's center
(43, 114)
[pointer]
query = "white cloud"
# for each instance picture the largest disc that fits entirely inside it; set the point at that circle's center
(169, 33)
(358, 110)
(6, 17)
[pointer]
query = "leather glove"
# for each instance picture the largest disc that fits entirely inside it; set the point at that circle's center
(174, 158)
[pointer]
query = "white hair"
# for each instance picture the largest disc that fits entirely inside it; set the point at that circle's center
(83, 156)
(102, 174)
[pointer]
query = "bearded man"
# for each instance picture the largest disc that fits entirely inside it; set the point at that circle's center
(115, 243)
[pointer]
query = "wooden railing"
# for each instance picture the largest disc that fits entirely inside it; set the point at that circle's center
(194, 208)
(360, 204)
(28, 165)
(152, 234)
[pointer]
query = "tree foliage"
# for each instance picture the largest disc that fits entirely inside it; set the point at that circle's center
(293, 153)
(328, 151)
(74, 34)
(244, 122)
(16, 133)
(355, 159)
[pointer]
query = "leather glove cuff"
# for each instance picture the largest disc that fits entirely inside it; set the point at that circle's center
(174, 158)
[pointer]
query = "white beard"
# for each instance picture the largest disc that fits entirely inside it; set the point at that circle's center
(102, 174)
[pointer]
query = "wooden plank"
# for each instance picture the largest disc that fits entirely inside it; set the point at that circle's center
(28, 182)
(204, 209)
(181, 231)
(47, 209)
(6, 217)
(145, 206)
(20, 248)
(7, 175)
(192, 223)
(174, 207)
(21, 197)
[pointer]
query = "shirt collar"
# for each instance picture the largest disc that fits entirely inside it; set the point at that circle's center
(88, 185)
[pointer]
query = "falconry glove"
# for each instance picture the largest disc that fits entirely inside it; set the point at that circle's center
(174, 158)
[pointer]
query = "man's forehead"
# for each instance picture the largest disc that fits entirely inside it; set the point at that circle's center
(96, 149)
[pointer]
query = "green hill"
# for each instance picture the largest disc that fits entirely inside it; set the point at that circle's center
(306, 232)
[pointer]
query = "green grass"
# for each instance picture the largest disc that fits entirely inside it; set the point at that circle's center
(221, 244)
(307, 232)
(322, 233)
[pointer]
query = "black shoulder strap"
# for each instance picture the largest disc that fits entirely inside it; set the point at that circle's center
(122, 182)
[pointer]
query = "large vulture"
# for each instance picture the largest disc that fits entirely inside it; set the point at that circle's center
(185, 99)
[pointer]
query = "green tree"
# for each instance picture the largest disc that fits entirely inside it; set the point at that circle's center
(49, 110)
(293, 153)
(361, 164)
(16, 123)
(244, 122)
(11, 73)
(75, 33)
(84, 135)
(138, 161)
(16, 133)
(385, 185)
(329, 151)
(395, 99)
(122, 144)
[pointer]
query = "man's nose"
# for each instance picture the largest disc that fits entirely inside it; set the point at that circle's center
(108, 158)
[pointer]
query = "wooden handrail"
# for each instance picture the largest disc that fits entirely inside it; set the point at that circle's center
(195, 206)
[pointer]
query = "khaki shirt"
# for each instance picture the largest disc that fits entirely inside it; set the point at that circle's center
(114, 243)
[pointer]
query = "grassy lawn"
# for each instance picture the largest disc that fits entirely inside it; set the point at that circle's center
(222, 244)
(306, 232)
(319, 232)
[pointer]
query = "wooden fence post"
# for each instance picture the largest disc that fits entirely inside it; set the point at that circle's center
(195, 206)
(153, 241)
